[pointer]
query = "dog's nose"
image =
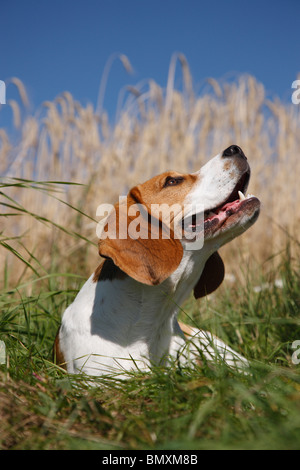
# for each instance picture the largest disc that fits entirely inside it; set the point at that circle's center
(234, 150)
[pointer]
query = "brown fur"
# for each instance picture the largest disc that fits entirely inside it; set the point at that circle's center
(186, 329)
(146, 259)
(153, 191)
(58, 355)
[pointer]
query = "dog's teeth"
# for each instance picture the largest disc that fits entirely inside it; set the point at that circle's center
(250, 195)
(241, 195)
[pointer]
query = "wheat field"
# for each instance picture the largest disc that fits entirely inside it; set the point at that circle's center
(154, 129)
(63, 160)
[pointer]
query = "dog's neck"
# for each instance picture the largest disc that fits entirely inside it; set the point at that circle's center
(151, 311)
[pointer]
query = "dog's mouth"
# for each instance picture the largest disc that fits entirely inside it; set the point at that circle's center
(215, 218)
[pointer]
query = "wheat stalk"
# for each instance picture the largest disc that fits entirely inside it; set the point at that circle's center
(156, 129)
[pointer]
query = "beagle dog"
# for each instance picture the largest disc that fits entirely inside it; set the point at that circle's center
(125, 315)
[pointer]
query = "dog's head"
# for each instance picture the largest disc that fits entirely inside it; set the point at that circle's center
(146, 234)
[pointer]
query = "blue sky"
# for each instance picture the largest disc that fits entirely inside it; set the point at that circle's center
(59, 45)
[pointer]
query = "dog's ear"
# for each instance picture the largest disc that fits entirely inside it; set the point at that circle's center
(211, 277)
(146, 251)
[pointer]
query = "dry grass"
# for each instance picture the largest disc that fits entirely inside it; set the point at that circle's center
(155, 130)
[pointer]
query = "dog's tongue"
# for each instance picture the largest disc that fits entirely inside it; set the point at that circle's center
(229, 206)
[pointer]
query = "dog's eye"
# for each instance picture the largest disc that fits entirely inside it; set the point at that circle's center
(173, 180)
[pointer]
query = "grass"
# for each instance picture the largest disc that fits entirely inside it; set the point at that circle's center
(67, 160)
(212, 407)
